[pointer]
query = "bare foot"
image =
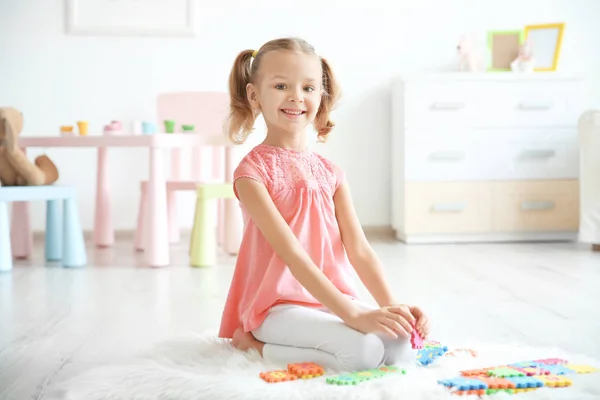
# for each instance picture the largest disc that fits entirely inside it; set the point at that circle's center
(245, 341)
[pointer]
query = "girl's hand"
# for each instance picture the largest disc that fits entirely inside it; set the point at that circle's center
(393, 321)
(422, 321)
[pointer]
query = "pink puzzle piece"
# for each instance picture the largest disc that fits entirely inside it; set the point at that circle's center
(416, 340)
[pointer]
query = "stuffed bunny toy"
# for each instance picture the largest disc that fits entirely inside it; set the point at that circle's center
(15, 168)
(469, 59)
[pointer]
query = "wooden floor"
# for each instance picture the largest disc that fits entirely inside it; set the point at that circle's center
(55, 322)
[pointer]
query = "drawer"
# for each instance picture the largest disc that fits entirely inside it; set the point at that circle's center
(444, 207)
(532, 206)
(444, 155)
(518, 102)
(440, 104)
(532, 104)
(534, 154)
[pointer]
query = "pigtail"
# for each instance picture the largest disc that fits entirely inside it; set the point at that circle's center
(331, 93)
(241, 115)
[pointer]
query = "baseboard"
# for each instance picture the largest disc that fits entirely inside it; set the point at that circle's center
(373, 232)
(488, 237)
(379, 232)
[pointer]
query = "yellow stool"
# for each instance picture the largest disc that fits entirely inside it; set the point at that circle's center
(203, 243)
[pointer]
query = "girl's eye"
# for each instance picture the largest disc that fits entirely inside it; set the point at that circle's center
(280, 87)
(309, 89)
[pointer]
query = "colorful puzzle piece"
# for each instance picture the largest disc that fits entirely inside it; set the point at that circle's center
(512, 378)
(558, 369)
(306, 370)
(524, 364)
(476, 372)
(455, 352)
(462, 384)
(504, 372)
(551, 361)
(555, 380)
(277, 376)
(523, 382)
(581, 369)
(478, 392)
(496, 383)
(415, 339)
(522, 390)
(431, 343)
(355, 378)
(533, 371)
(347, 379)
(428, 355)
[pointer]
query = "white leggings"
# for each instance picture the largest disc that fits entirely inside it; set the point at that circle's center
(294, 334)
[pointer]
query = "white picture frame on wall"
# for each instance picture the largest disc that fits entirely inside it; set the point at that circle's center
(173, 18)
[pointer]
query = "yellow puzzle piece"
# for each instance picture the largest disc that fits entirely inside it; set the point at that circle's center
(555, 380)
(581, 369)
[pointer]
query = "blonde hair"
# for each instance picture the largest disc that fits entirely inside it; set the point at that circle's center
(242, 116)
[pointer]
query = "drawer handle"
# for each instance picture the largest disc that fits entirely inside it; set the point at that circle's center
(447, 106)
(447, 155)
(448, 207)
(538, 154)
(537, 205)
(536, 106)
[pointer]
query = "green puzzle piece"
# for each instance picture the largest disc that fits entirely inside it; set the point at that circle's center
(503, 372)
(355, 378)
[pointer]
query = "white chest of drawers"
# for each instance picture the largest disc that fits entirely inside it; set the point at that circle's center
(485, 157)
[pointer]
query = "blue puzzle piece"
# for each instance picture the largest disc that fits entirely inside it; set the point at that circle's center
(428, 355)
(463, 383)
(522, 382)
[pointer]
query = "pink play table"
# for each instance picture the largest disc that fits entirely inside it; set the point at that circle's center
(157, 241)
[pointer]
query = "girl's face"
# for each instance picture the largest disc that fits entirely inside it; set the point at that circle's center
(288, 90)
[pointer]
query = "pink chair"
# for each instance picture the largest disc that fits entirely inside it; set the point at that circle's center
(207, 111)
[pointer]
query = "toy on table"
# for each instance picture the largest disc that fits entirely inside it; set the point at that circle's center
(83, 127)
(114, 128)
(15, 167)
(66, 130)
(169, 126)
(148, 128)
(188, 128)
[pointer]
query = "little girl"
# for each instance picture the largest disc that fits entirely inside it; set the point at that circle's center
(292, 296)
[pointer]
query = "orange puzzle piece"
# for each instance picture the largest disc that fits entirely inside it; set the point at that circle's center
(475, 372)
(277, 376)
(306, 370)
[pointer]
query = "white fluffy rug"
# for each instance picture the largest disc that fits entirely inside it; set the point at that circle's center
(204, 367)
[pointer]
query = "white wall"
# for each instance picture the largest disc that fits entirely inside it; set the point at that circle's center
(57, 79)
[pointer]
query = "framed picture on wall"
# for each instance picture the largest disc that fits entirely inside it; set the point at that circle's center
(545, 41)
(130, 17)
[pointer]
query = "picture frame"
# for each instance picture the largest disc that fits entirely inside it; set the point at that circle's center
(503, 47)
(545, 41)
(165, 18)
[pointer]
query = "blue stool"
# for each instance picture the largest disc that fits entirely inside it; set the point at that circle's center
(64, 236)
